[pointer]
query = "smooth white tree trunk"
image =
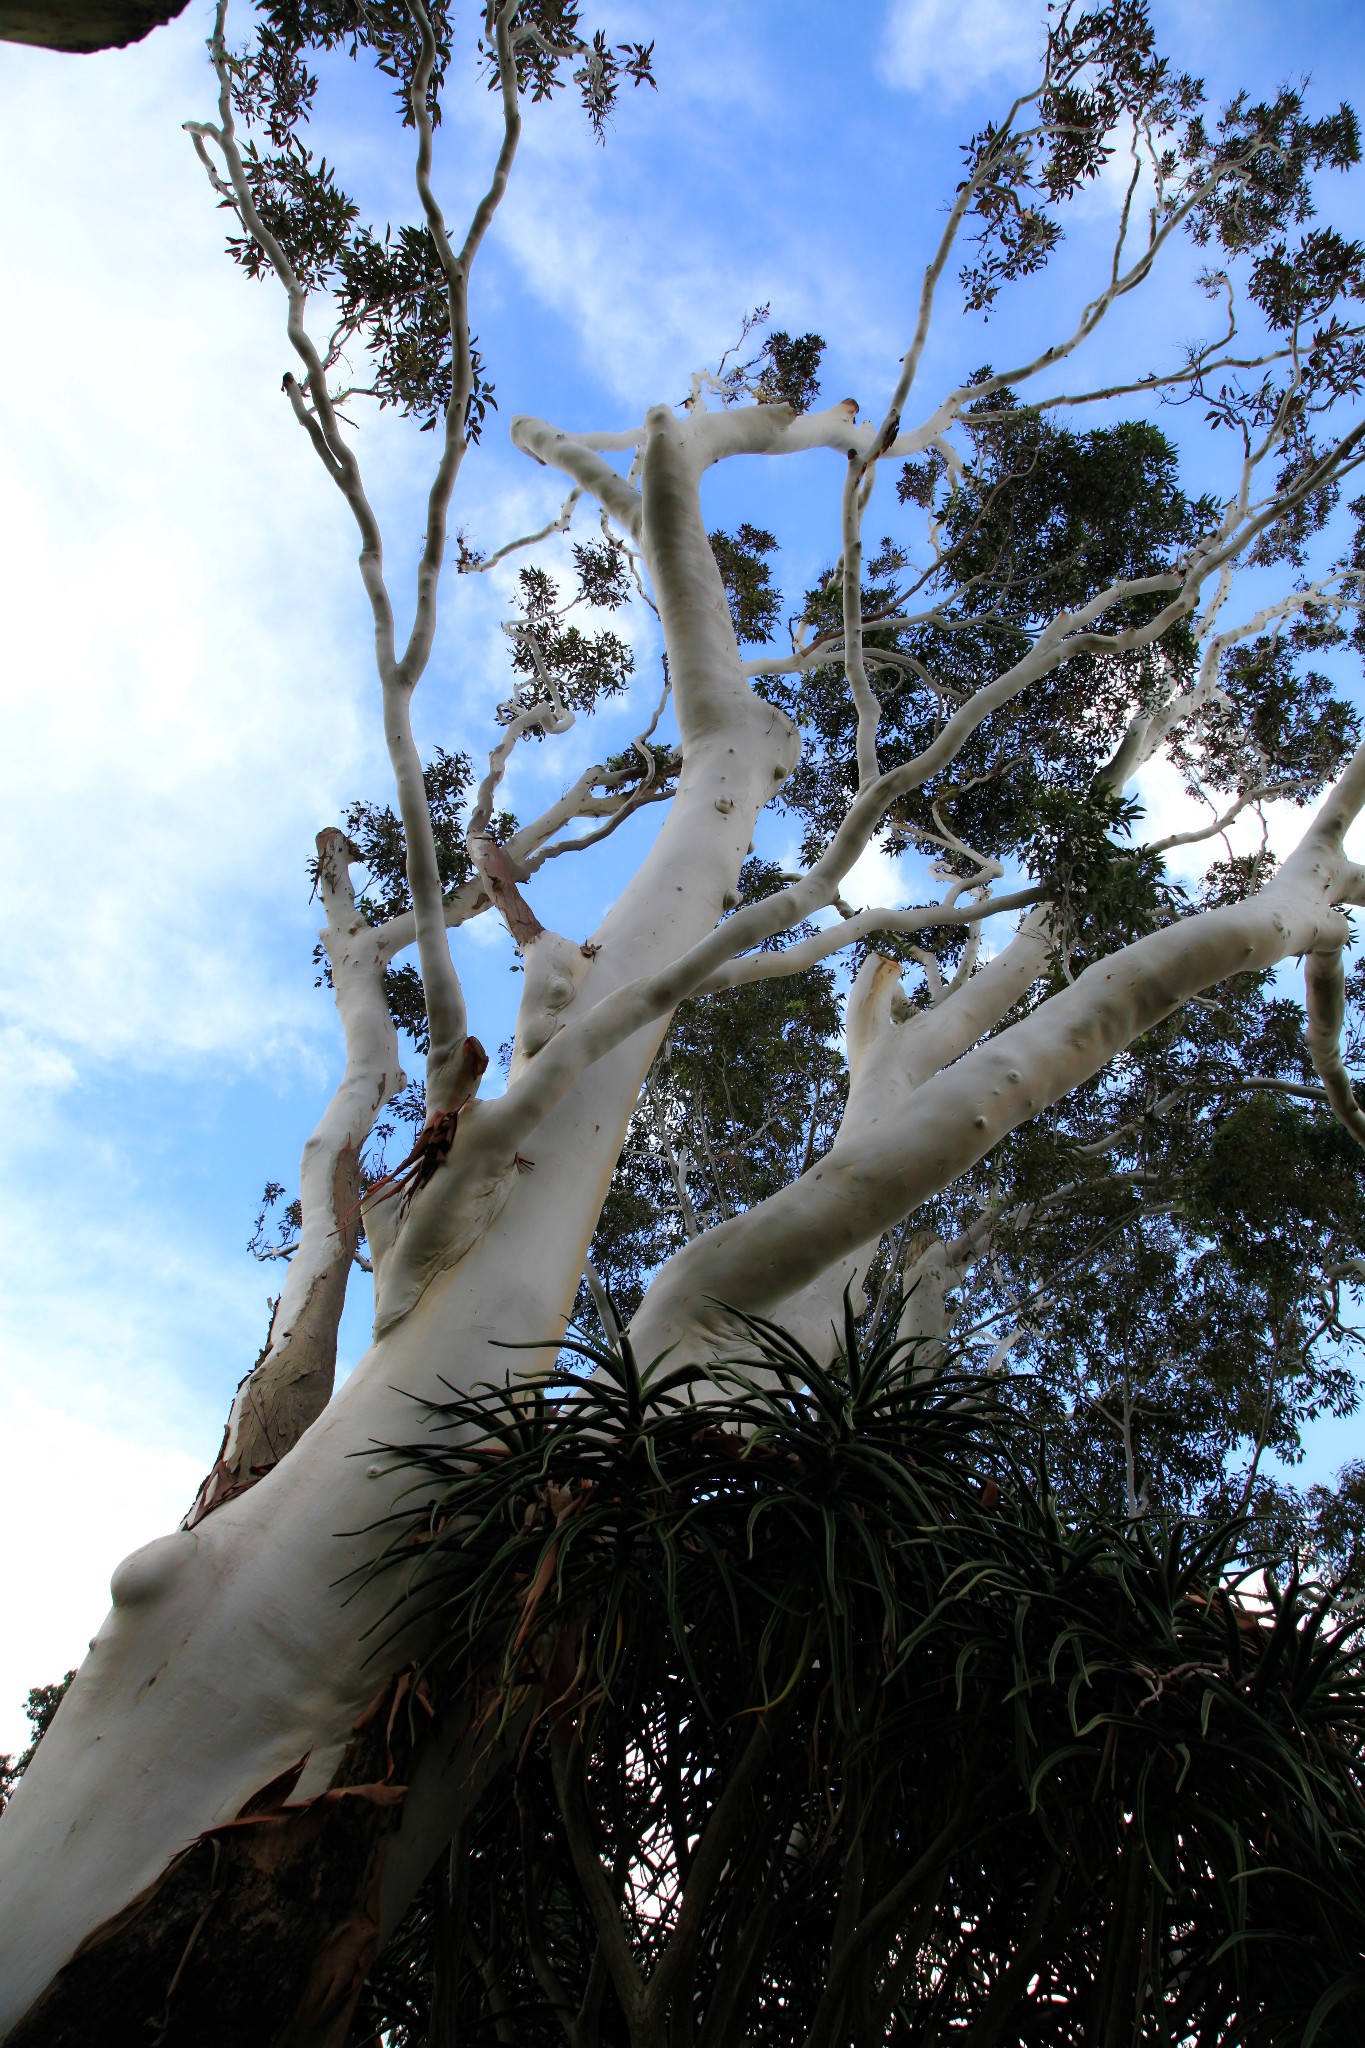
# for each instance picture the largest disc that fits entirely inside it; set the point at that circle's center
(233, 1648)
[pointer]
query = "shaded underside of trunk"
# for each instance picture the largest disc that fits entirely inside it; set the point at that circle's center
(81, 26)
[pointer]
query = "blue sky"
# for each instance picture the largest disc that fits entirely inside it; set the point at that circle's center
(188, 687)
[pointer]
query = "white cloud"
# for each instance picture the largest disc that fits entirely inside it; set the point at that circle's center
(597, 268)
(75, 1498)
(28, 1069)
(105, 1434)
(1168, 808)
(182, 687)
(876, 880)
(952, 47)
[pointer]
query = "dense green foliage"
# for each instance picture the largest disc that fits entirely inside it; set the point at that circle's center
(811, 1720)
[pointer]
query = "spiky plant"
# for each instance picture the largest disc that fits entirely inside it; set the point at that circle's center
(815, 1726)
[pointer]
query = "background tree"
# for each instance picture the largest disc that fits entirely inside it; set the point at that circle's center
(1051, 614)
(43, 1702)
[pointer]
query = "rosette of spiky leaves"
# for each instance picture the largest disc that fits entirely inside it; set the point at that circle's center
(580, 1468)
(809, 1721)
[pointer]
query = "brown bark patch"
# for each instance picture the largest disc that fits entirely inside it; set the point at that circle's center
(262, 1931)
(502, 880)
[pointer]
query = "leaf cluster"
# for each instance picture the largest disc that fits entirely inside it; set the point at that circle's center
(392, 292)
(1102, 71)
(1240, 180)
(549, 35)
(755, 602)
(586, 667)
(1279, 723)
(280, 1239)
(1103, 894)
(789, 371)
(786, 370)
(390, 289)
(1269, 150)
(376, 833)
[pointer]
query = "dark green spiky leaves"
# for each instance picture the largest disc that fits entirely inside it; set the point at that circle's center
(804, 1706)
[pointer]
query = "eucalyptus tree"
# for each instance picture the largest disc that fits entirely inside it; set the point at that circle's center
(1050, 1112)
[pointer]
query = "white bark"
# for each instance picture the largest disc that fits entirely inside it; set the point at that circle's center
(291, 1383)
(1325, 990)
(929, 1276)
(231, 1648)
(893, 1154)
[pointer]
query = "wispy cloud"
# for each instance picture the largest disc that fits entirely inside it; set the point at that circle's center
(1168, 808)
(954, 47)
(180, 712)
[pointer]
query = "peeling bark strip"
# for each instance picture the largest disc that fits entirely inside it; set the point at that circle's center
(291, 1382)
(503, 879)
(263, 1930)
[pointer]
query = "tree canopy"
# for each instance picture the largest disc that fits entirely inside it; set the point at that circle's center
(900, 1620)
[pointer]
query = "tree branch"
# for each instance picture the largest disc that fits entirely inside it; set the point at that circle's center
(898, 1157)
(864, 924)
(1325, 995)
(457, 270)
